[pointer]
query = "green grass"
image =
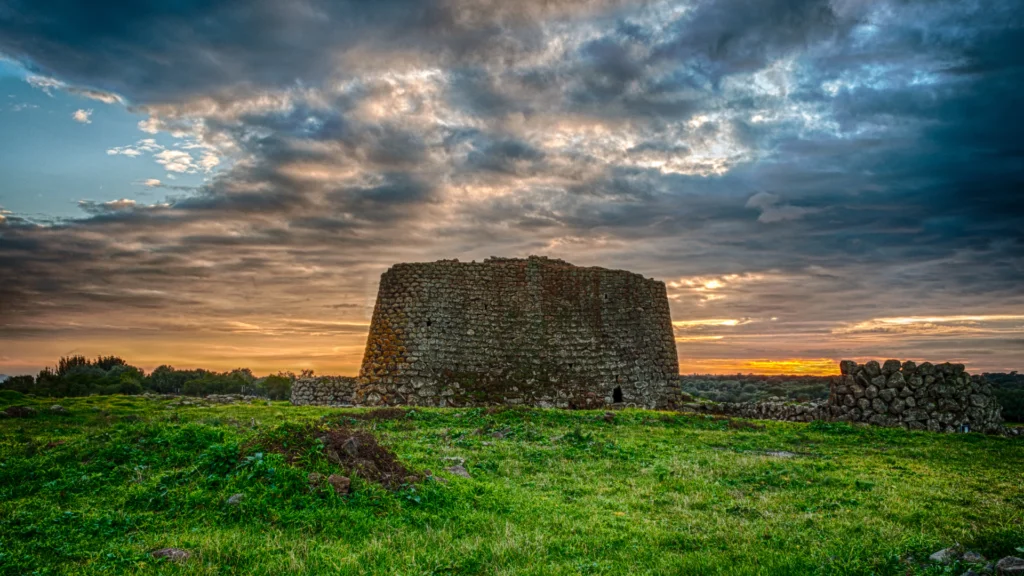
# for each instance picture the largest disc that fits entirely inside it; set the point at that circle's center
(564, 492)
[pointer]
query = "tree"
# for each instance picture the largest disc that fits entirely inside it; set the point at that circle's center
(24, 384)
(277, 387)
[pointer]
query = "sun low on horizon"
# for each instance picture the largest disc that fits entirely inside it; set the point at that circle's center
(207, 186)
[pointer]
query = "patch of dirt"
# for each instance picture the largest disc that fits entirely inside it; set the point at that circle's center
(360, 454)
(19, 412)
(780, 454)
(355, 451)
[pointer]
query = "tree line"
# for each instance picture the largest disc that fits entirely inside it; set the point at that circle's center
(81, 376)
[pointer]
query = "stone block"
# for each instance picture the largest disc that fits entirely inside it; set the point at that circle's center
(890, 367)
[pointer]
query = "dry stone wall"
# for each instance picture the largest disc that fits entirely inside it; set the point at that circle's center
(324, 390)
(937, 397)
(533, 331)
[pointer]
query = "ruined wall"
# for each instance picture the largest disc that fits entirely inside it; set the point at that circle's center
(323, 390)
(938, 397)
(532, 331)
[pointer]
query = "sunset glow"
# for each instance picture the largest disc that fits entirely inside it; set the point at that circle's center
(803, 367)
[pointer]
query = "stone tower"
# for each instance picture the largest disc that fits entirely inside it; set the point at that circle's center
(532, 331)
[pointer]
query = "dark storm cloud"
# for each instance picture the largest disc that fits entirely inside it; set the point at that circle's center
(823, 161)
(154, 51)
(745, 35)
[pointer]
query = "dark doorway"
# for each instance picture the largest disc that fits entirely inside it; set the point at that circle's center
(617, 395)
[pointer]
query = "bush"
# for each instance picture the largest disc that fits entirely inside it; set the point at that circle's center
(1009, 390)
(22, 384)
(277, 387)
(11, 396)
(752, 388)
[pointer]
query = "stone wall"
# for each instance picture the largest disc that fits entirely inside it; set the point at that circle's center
(323, 390)
(533, 331)
(939, 397)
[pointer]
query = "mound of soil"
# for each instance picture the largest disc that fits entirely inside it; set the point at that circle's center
(19, 412)
(360, 454)
(356, 452)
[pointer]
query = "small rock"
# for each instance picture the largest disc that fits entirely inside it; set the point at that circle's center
(58, 409)
(236, 499)
(609, 417)
(315, 479)
(172, 554)
(459, 470)
(340, 484)
(972, 557)
(779, 454)
(945, 556)
(1010, 565)
(351, 447)
(412, 479)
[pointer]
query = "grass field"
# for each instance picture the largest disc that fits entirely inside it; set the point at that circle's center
(94, 491)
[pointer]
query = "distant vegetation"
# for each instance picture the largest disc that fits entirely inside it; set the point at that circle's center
(80, 376)
(753, 388)
(1009, 389)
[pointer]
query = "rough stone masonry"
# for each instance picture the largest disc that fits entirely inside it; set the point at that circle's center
(531, 331)
(937, 397)
(926, 396)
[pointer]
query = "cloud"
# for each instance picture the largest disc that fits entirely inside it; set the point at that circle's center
(175, 161)
(48, 85)
(83, 116)
(146, 145)
(105, 97)
(773, 210)
(875, 142)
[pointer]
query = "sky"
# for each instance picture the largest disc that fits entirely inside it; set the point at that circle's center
(220, 183)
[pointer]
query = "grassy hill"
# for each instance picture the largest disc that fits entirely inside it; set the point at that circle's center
(552, 492)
